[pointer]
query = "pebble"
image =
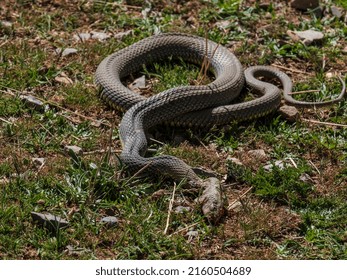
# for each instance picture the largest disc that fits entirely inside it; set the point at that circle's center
(63, 79)
(307, 37)
(336, 11)
(33, 102)
(139, 83)
(121, 35)
(39, 162)
(82, 37)
(49, 221)
(192, 233)
(182, 209)
(290, 113)
(101, 36)
(110, 221)
(75, 149)
(66, 51)
(5, 23)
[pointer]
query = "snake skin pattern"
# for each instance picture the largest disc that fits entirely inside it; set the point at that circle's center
(202, 105)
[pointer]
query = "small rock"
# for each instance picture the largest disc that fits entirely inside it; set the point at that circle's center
(192, 233)
(290, 113)
(223, 24)
(75, 149)
(344, 50)
(66, 51)
(182, 209)
(121, 35)
(39, 162)
(82, 36)
(306, 178)
(49, 221)
(101, 36)
(110, 221)
(33, 102)
(336, 11)
(305, 4)
(307, 37)
(139, 83)
(258, 154)
(5, 23)
(278, 163)
(63, 79)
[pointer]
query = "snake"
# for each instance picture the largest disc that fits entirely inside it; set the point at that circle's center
(193, 105)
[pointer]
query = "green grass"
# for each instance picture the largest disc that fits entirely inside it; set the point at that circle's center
(280, 215)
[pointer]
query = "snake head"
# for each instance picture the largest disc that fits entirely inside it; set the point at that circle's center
(212, 200)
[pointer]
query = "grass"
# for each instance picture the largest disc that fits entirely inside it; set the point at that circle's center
(297, 211)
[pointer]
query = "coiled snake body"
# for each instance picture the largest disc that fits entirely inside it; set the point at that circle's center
(203, 105)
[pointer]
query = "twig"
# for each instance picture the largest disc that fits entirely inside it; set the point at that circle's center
(324, 123)
(6, 121)
(303, 91)
(293, 162)
(288, 69)
(102, 151)
(315, 167)
(170, 209)
(139, 172)
(241, 196)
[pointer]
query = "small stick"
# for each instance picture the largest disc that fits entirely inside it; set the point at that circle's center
(241, 196)
(170, 209)
(6, 121)
(288, 69)
(303, 91)
(325, 123)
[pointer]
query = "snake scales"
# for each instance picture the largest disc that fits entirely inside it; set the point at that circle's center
(202, 105)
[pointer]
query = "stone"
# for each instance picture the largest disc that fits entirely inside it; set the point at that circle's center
(63, 79)
(66, 51)
(192, 233)
(306, 178)
(139, 83)
(121, 35)
(336, 11)
(49, 221)
(110, 221)
(223, 24)
(33, 102)
(39, 162)
(75, 149)
(82, 36)
(101, 36)
(182, 209)
(305, 4)
(6, 23)
(307, 37)
(290, 113)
